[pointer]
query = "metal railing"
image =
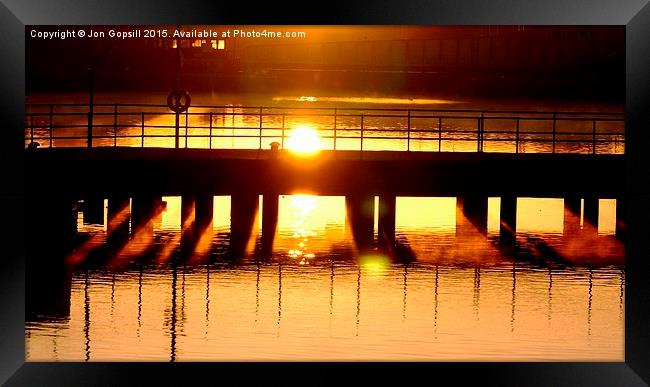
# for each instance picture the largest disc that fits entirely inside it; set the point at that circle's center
(244, 127)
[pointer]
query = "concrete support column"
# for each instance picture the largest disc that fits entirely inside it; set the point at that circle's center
(270, 207)
(93, 210)
(188, 217)
(243, 211)
(51, 224)
(203, 211)
(471, 214)
(571, 215)
(117, 219)
(508, 220)
(386, 220)
(145, 209)
(590, 224)
(360, 213)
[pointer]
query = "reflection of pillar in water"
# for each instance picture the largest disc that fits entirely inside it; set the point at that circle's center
(514, 288)
(243, 210)
(435, 303)
(360, 212)
(87, 316)
(139, 301)
(589, 301)
(571, 215)
(279, 297)
(386, 220)
(471, 214)
(48, 285)
(477, 290)
(508, 221)
(172, 322)
(93, 210)
(270, 205)
(358, 299)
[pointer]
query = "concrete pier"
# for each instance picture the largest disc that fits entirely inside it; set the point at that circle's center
(508, 220)
(572, 210)
(203, 213)
(187, 222)
(243, 212)
(270, 208)
(591, 207)
(360, 217)
(93, 210)
(51, 224)
(471, 214)
(145, 209)
(117, 219)
(386, 220)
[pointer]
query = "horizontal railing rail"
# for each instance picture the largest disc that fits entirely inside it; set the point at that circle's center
(363, 129)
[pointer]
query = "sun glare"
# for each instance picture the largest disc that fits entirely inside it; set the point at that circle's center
(304, 140)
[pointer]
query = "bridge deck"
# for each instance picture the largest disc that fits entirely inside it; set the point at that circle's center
(177, 171)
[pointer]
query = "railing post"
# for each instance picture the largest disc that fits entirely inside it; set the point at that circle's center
(440, 134)
(51, 118)
(142, 130)
(260, 127)
(282, 138)
(31, 128)
(554, 124)
(408, 132)
(481, 123)
(210, 139)
(517, 137)
(115, 125)
(90, 125)
(361, 145)
(178, 130)
(593, 146)
(334, 128)
(186, 123)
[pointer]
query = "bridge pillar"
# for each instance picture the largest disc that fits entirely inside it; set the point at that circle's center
(508, 220)
(93, 210)
(360, 212)
(590, 224)
(386, 220)
(117, 219)
(620, 218)
(471, 213)
(270, 207)
(571, 215)
(145, 210)
(203, 211)
(243, 211)
(51, 224)
(187, 221)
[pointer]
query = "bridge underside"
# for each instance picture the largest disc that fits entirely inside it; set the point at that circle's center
(128, 171)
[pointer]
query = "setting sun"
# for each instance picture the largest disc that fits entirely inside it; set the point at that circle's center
(304, 139)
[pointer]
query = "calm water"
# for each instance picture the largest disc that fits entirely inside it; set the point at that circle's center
(237, 126)
(316, 298)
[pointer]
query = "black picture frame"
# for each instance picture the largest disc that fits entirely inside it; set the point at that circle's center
(16, 14)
